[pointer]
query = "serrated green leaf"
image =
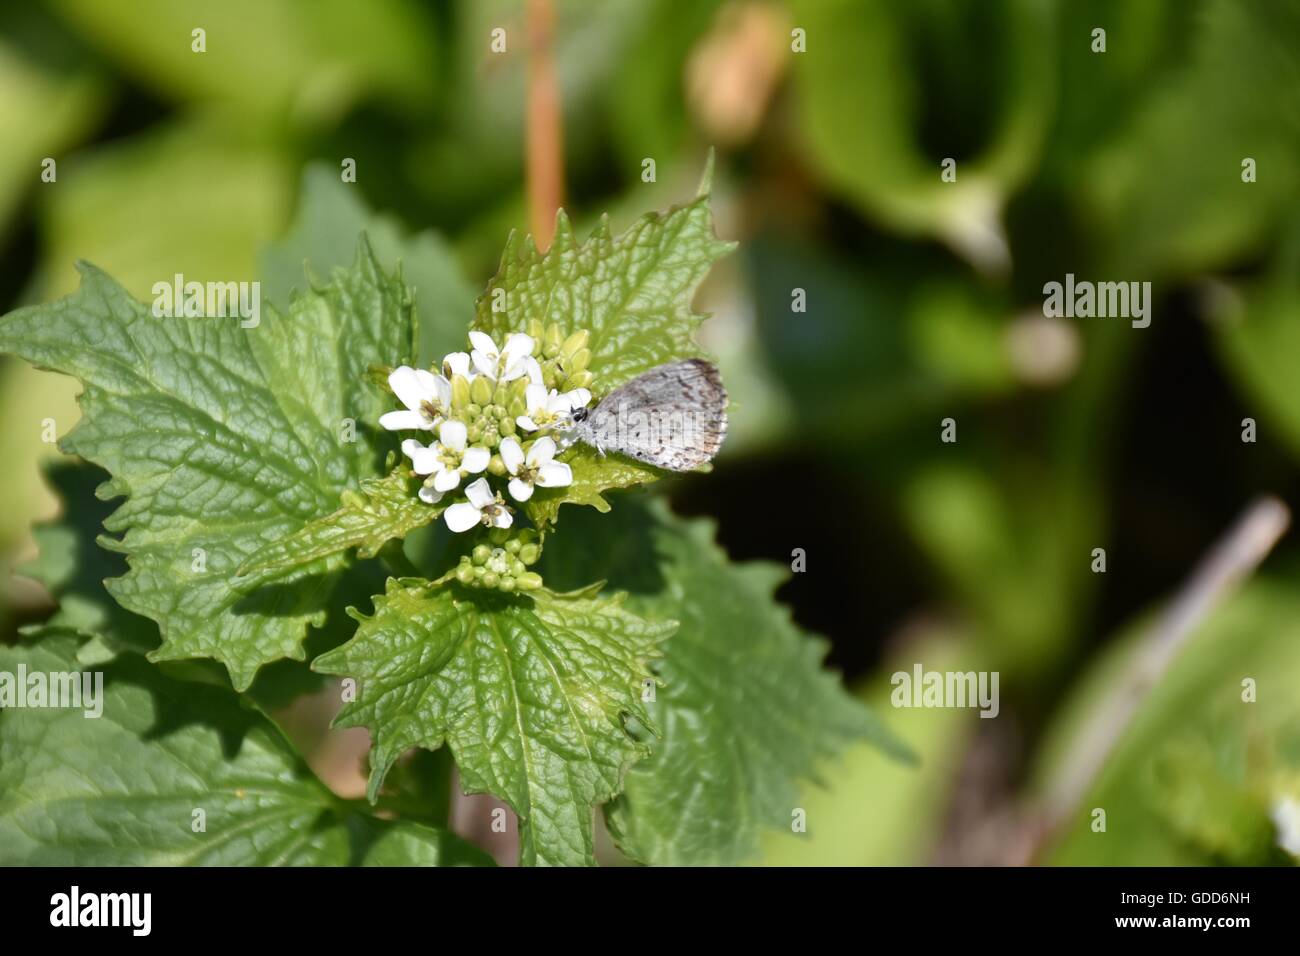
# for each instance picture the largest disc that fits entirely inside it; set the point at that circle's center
(632, 292)
(531, 693)
(384, 509)
(745, 708)
(122, 789)
(223, 438)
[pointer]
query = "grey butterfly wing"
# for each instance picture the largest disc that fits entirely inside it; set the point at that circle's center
(673, 416)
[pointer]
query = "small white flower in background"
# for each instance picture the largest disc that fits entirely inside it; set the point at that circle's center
(447, 459)
(502, 365)
(535, 469)
(545, 409)
(425, 395)
(1286, 817)
(458, 363)
(483, 507)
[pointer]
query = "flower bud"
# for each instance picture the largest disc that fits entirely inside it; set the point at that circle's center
(551, 341)
(465, 574)
(496, 466)
(506, 426)
(481, 391)
(575, 343)
(513, 545)
(535, 329)
(529, 553)
(579, 380)
(579, 361)
(480, 554)
(459, 391)
(472, 411)
(490, 580)
(507, 583)
(529, 581)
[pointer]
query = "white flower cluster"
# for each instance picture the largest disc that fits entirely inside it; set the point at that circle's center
(477, 406)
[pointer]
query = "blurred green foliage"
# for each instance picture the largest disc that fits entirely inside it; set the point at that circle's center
(1124, 165)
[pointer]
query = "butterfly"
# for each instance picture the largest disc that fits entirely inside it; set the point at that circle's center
(673, 416)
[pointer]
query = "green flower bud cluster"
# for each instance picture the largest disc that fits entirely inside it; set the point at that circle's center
(564, 360)
(488, 410)
(503, 567)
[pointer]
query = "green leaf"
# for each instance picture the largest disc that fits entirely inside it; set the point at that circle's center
(866, 137)
(122, 789)
(745, 708)
(271, 60)
(533, 695)
(330, 216)
(384, 508)
(223, 438)
(632, 292)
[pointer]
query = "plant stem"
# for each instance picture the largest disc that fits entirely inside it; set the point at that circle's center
(545, 138)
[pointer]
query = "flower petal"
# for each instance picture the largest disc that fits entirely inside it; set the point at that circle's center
(482, 342)
(403, 421)
(405, 384)
(461, 516)
(442, 390)
(555, 474)
(578, 397)
(429, 495)
(428, 382)
(512, 453)
(485, 364)
(446, 479)
(503, 518)
(518, 346)
(453, 434)
(534, 370)
(479, 493)
(520, 490)
(558, 404)
(535, 396)
(425, 462)
(542, 451)
(475, 459)
(526, 423)
(514, 371)
(457, 363)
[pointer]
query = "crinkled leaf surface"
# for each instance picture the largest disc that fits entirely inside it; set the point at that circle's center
(745, 708)
(533, 695)
(122, 789)
(632, 292)
(383, 509)
(223, 438)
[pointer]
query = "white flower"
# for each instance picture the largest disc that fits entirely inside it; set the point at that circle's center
(415, 450)
(545, 409)
(483, 507)
(447, 459)
(502, 365)
(536, 469)
(458, 363)
(534, 370)
(425, 395)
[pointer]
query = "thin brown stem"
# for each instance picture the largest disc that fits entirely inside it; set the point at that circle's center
(545, 137)
(1232, 559)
